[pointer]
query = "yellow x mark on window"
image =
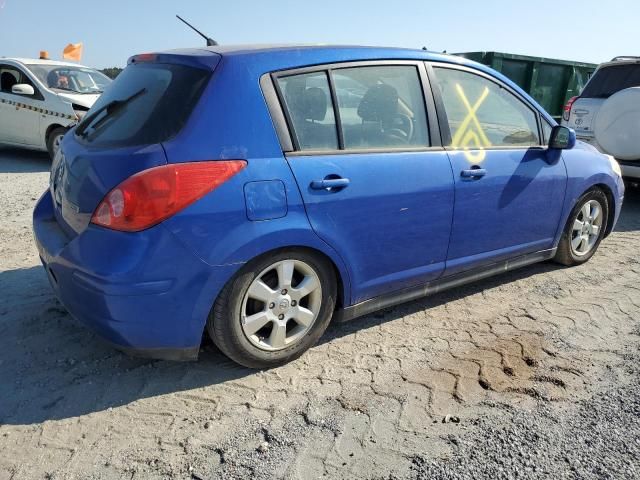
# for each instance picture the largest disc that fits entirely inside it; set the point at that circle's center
(470, 134)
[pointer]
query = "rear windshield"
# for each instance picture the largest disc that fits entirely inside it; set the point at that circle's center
(147, 103)
(610, 80)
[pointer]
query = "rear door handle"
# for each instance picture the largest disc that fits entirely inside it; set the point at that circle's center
(330, 184)
(473, 173)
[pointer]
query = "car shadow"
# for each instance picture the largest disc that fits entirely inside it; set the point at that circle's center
(528, 168)
(53, 368)
(15, 160)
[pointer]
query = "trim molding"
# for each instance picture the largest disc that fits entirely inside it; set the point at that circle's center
(445, 283)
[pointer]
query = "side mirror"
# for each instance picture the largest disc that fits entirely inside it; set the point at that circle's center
(562, 138)
(23, 89)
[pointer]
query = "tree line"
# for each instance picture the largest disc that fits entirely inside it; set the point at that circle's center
(112, 72)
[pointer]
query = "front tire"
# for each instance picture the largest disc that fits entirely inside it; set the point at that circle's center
(54, 139)
(274, 309)
(584, 230)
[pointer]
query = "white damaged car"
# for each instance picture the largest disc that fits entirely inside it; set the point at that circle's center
(41, 99)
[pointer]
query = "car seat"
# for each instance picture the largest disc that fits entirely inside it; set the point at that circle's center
(379, 112)
(308, 107)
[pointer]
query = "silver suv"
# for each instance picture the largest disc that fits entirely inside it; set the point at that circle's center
(607, 112)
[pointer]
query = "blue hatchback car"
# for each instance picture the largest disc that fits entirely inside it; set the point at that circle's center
(258, 192)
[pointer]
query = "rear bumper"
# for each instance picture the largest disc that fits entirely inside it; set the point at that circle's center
(144, 292)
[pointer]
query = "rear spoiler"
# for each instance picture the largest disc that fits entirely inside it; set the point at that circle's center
(198, 58)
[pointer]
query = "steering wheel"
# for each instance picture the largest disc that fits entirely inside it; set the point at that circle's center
(402, 129)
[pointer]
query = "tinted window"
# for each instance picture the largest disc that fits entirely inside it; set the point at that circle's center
(158, 99)
(307, 99)
(15, 76)
(381, 107)
(481, 114)
(9, 77)
(609, 80)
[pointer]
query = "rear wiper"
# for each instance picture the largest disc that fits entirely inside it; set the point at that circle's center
(110, 108)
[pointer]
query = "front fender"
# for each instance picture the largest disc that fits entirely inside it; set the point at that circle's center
(586, 168)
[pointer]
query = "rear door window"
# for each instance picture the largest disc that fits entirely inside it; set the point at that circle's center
(609, 80)
(157, 100)
(377, 107)
(381, 107)
(307, 98)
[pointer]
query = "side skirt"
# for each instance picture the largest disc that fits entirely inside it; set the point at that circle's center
(414, 293)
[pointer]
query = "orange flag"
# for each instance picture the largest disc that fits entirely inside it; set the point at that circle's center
(73, 51)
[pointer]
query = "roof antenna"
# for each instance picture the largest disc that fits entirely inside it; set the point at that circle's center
(210, 41)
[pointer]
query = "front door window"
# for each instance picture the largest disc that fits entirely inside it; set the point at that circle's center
(481, 114)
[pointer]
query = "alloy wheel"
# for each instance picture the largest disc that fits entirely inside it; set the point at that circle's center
(586, 228)
(281, 305)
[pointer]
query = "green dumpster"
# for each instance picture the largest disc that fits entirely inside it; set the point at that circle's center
(551, 82)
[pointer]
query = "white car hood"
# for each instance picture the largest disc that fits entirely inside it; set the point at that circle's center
(86, 100)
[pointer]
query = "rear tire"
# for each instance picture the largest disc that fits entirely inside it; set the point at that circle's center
(579, 241)
(286, 324)
(54, 139)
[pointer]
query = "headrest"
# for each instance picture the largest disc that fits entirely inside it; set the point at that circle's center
(7, 80)
(52, 79)
(379, 103)
(294, 92)
(315, 104)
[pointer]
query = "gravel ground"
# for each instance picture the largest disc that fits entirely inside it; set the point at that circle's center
(595, 438)
(530, 374)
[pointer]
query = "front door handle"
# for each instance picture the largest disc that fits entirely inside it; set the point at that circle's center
(473, 173)
(330, 184)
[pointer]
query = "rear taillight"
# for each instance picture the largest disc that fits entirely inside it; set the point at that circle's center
(151, 196)
(567, 108)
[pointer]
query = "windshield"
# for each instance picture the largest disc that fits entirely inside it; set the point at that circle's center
(70, 78)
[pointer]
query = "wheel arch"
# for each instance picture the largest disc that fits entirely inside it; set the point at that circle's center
(50, 129)
(611, 206)
(576, 189)
(214, 284)
(587, 170)
(339, 271)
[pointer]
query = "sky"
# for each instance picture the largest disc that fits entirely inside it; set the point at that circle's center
(112, 30)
